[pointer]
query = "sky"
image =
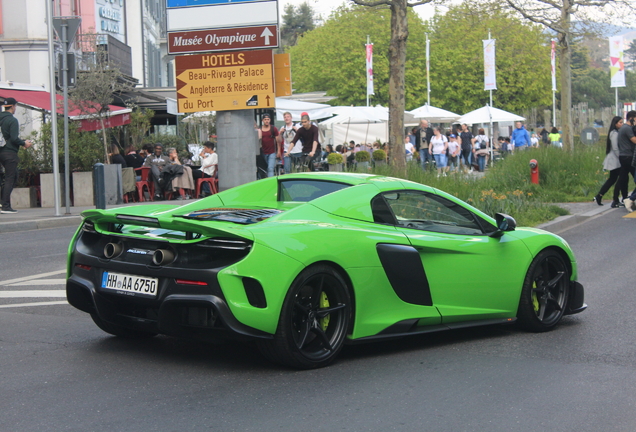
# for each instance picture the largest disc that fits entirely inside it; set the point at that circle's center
(324, 7)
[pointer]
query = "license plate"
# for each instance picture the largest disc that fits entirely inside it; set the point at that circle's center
(125, 283)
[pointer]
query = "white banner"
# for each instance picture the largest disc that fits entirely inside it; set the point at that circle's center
(370, 69)
(553, 65)
(490, 74)
(617, 64)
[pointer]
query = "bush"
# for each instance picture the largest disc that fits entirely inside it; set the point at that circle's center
(85, 150)
(379, 155)
(363, 156)
(335, 158)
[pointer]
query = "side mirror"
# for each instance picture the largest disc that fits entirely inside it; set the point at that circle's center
(504, 223)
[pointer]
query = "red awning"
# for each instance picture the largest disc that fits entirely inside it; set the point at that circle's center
(41, 101)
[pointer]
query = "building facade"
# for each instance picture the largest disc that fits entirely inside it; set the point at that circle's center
(132, 31)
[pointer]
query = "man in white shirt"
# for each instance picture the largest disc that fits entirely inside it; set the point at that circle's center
(209, 164)
(287, 149)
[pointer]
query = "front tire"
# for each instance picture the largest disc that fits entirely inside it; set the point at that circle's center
(314, 320)
(117, 330)
(544, 294)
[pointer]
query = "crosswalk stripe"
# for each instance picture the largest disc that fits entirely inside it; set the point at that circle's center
(40, 282)
(33, 294)
(33, 304)
(41, 275)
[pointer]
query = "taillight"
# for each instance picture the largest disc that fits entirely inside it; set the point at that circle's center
(190, 282)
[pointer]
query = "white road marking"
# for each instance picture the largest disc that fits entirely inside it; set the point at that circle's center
(41, 282)
(26, 278)
(33, 294)
(33, 304)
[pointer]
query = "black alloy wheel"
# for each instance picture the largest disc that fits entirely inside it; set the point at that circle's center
(545, 292)
(314, 320)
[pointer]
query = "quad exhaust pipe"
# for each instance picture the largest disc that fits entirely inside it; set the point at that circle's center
(162, 257)
(113, 250)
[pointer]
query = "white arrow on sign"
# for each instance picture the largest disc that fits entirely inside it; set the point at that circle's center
(267, 34)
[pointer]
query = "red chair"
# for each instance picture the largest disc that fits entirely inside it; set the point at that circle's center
(212, 181)
(144, 184)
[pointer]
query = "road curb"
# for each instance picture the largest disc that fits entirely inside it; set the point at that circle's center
(562, 223)
(29, 225)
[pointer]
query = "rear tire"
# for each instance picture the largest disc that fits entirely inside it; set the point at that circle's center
(314, 320)
(117, 330)
(544, 295)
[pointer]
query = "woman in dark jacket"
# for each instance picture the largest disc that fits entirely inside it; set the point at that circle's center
(611, 163)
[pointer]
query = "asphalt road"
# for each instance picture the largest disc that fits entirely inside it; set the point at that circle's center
(60, 372)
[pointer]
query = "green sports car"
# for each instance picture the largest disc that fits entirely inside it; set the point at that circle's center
(304, 263)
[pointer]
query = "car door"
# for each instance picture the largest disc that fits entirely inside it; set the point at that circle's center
(471, 275)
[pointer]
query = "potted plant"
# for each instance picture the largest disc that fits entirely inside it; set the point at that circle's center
(362, 158)
(335, 161)
(379, 157)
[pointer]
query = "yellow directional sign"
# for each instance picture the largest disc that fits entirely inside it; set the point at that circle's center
(225, 82)
(282, 74)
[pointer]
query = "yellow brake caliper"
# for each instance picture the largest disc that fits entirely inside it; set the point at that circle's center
(535, 300)
(324, 303)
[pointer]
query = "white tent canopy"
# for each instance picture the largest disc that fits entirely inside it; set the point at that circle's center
(434, 114)
(296, 108)
(372, 113)
(488, 114)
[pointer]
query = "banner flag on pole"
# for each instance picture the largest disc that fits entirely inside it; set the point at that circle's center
(553, 65)
(617, 64)
(490, 74)
(370, 69)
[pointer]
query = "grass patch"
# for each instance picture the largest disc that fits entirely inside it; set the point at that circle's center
(506, 187)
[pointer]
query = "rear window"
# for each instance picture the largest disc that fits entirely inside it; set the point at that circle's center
(307, 190)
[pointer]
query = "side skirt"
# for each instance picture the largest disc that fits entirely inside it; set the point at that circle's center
(409, 327)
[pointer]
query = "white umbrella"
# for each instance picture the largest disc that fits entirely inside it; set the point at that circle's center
(345, 119)
(488, 114)
(363, 112)
(296, 108)
(434, 114)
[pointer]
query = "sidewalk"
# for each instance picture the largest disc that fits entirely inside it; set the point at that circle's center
(41, 218)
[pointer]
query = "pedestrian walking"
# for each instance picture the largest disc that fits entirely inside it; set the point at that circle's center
(626, 146)
(611, 163)
(9, 146)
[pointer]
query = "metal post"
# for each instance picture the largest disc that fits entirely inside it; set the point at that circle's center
(616, 88)
(365, 68)
(56, 164)
(99, 186)
(67, 183)
(428, 69)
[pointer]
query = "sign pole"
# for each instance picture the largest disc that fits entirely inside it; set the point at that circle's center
(428, 75)
(56, 162)
(67, 194)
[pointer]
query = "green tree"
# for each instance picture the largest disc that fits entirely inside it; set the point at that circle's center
(332, 57)
(96, 84)
(397, 67)
(630, 53)
(457, 68)
(556, 15)
(140, 122)
(297, 20)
